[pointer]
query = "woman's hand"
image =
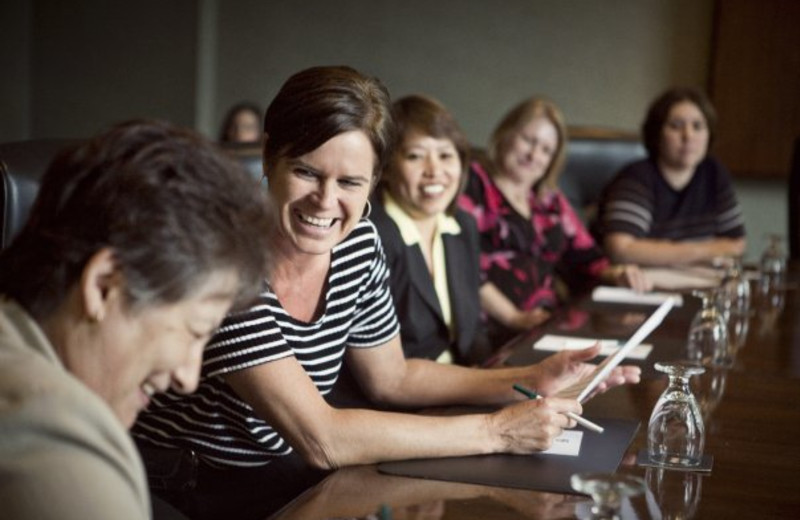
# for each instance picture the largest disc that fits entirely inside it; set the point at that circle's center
(629, 275)
(525, 320)
(530, 426)
(568, 368)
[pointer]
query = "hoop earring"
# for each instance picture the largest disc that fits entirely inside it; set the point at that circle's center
(367, 210)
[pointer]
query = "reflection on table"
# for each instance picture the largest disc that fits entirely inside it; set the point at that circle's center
(752, 421)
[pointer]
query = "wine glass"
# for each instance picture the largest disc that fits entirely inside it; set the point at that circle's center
(708, 333)
(676, 433)
(733, 297)
(607, 490)
(709, 390)
(773, 273)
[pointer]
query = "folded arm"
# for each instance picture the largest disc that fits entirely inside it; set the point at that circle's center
(626, 248)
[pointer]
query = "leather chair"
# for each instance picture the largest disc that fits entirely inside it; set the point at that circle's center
(594, 156)
(22, 165)
(794, 204)
(248, 156)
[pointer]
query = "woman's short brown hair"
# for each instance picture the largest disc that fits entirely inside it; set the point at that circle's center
(170, 205)
(659, 110)
(317, 104)
(430, 117)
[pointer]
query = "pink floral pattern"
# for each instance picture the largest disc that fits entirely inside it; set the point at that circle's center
(524, 257)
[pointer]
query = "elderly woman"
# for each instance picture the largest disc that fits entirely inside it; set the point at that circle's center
(328, 133)
(530, 235)
(678, 205)
(138, 244)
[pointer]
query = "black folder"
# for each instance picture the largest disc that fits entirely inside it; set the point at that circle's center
(541, 472)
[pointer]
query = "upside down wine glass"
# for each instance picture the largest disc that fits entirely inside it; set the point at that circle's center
(708, 333)
(676, 434)
(773, 274)
(607, 490)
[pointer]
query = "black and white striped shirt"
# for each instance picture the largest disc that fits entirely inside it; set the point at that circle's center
(639, 202)
(222, 428)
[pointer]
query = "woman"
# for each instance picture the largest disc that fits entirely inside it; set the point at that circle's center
(242, 124)
(530, 235)
(678, 205)
(132, 256)
(431, 245)
(327, 136)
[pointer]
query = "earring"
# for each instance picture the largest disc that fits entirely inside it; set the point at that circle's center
(367, 210)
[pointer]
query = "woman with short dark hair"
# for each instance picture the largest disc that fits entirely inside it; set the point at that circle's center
(328, 135)
(678, 205)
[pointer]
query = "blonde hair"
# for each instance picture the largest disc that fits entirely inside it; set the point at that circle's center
(512, 123)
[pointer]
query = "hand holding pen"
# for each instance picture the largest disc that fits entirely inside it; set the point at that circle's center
(589, 425)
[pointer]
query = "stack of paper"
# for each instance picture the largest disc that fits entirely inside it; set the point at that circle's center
(625, 295)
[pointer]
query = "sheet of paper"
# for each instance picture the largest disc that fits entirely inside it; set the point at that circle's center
(626, 295)
(555, 343)
(686, 278)
(568, 443)
(582, 389)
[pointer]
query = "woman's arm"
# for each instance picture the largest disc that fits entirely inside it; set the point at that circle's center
(282, 394)
(499, 307)
(626, 248)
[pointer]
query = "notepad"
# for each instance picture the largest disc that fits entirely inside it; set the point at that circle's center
(582, 389)
(556, 343)
(626, 295)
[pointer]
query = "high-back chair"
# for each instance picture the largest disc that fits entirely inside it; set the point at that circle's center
(794, 203)
(22, 165)
(594, 156)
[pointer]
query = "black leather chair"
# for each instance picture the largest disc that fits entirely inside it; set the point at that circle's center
(594, 156)
(794, 204)
(248, 156)
(22, 165)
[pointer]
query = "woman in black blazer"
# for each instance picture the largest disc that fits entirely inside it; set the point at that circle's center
(431, 245)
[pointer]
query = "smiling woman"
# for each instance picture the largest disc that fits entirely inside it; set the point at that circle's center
(530, 236)
(138, 244)
(259, 422)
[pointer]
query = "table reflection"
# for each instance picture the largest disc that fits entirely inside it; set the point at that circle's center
(752, 423)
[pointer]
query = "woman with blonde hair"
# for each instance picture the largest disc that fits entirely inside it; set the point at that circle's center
(530, 236)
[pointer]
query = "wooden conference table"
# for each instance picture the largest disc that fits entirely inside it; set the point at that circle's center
(752, 418)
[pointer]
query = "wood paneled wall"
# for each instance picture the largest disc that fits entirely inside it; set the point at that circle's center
(755, 84)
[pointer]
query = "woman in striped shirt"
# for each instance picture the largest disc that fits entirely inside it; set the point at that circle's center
(266, 372)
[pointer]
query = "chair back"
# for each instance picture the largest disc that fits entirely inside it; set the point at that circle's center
(22, 165)
(794, 203)
(594, 156)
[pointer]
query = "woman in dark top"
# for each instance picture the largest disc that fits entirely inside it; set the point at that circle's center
(431, 245)
(678, 205)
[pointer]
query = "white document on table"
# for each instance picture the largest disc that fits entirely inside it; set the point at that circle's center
(568, 443)
(582, 389)
(666, 278)
(556, 343)
(605, 293)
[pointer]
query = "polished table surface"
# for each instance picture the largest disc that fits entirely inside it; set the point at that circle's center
(751, 413)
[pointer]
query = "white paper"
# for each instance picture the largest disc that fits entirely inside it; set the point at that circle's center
(555, 343)
(626, 295)
(685, 278)
(583, 388)
(568, 443)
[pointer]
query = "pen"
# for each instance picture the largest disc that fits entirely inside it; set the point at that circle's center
(589, 425)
